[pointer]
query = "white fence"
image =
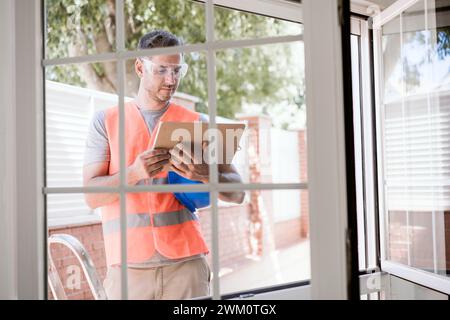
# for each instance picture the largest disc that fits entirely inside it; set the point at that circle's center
(285, 158)
(68, 111)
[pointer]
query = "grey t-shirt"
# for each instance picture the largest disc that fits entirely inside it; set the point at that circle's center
(97, 150)
(97, 145)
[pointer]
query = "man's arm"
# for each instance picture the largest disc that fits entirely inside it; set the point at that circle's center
(229, 174)
(146, 165)
(96, 175)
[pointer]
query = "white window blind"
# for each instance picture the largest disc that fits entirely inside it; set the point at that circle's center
(417, 152)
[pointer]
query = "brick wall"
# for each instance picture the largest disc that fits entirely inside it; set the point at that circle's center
(304, 206)
(417, 240)
(258, 127)
(233, 233)
(233, 245)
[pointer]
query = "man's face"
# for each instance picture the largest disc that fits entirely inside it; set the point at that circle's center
(157, 76)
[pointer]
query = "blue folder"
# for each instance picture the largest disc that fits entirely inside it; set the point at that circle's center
(191, 200)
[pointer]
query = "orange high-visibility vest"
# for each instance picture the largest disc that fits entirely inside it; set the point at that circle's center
(155, 221)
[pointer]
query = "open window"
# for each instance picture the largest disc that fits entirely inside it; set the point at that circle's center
(413, 64)
(402, 147)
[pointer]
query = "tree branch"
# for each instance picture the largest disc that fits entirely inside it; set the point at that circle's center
(78, 47)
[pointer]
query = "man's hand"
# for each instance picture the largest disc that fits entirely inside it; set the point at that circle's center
(182, 161)
(149, 163)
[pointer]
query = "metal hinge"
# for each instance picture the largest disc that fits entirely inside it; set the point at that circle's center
(341, 12)
(348, 247)
(348, 255)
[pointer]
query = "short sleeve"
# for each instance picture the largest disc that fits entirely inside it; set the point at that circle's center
(97, 145)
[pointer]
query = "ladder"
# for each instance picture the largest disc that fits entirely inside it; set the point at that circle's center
(54, 281)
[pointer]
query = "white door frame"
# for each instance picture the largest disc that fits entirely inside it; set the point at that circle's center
(8, 219)
(326, 150)
(29, 210)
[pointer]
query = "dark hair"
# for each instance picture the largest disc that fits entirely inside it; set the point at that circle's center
(158, 39)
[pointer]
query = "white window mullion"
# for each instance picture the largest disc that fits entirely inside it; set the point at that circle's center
(403, 133)
(187, 48)
(274, 8)
(430, 143)
(120, 46)
(213, 167)
(181, 188)
(391, 12)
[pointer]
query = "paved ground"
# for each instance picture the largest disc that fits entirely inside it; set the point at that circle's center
(283, 266)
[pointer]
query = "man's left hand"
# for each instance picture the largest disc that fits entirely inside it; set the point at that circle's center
(182, 161)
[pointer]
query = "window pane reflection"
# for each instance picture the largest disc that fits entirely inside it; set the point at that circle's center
(416, 129)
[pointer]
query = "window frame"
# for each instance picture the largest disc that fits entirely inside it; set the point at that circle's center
(31, 238)
(8, 226)
(360, 28)
(415, 275)
(328, 249)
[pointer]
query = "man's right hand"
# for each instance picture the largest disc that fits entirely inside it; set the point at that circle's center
(149, 163)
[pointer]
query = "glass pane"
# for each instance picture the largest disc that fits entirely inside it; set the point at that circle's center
(79, 27)
(185, 19)
(357, 120)
(415, 49)
(233, 25)
(165, 89)
(76, 99)
(166, 248)
(264, 241)
(416, 130)
(264, 87)
(75, 228)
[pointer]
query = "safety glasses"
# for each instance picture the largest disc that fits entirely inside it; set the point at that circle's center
(162, 70)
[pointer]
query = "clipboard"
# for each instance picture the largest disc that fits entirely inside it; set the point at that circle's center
(227, 135)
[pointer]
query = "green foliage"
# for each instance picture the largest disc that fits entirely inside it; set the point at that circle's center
(244, 76)
(443, 40)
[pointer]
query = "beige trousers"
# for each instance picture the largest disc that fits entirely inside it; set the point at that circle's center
(183, 280)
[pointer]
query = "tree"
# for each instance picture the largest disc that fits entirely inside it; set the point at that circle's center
(81, 27)
(420, 49)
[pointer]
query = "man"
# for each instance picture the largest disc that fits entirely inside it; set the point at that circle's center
(166, 250)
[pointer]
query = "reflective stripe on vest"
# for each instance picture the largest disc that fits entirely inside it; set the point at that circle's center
(155, 221)
(157, 181)
(162, 219)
